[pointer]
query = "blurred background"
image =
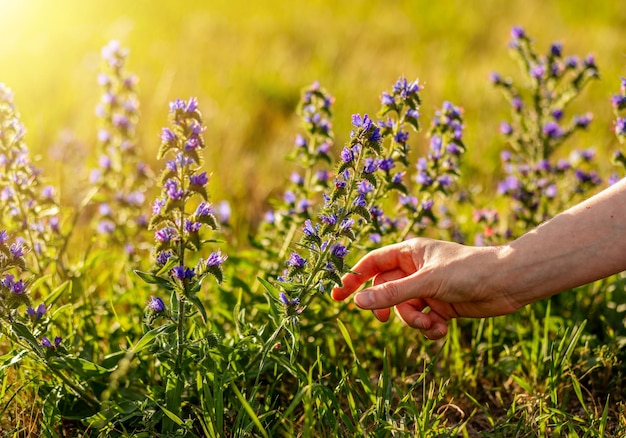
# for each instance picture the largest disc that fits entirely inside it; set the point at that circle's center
(247, 63)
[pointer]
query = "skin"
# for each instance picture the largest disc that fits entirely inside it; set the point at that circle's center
(429, 282)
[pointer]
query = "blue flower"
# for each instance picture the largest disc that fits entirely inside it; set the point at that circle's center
(156, 304)
(204, 209)
(166, 234)
(339, 251)
(200, 179)
(295, 261)
(216, 258)
(182, 272)
(517, 32)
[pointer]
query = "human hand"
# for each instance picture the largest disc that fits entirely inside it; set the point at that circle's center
(429, 282)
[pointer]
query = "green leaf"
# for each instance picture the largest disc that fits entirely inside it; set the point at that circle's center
(249, 410)
(23, 332)
(79, 366)
(269, 287)
(56, 293)
(154, 279)
(199, 305)
(13, 359)
(172, 416)
(346, 337)
(147, 339)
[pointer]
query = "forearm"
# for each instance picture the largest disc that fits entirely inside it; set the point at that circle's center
(578, 246)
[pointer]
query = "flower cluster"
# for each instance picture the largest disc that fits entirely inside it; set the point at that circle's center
(534, 180)
(312, 156)
(177, 218)
(121, 177)
(368, 196)
(327, 240)
(15, 292)
(28, 206)
(433, 173)
(538, 124)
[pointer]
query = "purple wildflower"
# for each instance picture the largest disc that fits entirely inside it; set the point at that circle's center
(156, 304)
(347, 155)
(182, 272)
(199, 180)
(204, 209)
(552, 130)
(295, 261)
(166, 234)
(216, 258)
(339, 251)
(506, 128)
(17, 250)
(517, 32)
(163, 257)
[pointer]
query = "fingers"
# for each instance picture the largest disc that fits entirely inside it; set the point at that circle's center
(432, 324)
(380, 260)
(390, 293)
(383, 314)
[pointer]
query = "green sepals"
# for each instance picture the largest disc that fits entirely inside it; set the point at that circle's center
(4, 249)
(413, 122)
(369, 177)
(363, 212)
(19, 262)
(164, 148)
(619, 159)
(194, 154)
(156, 220)
(375, 145)
(333, 276)
(201, 190)
(13, 301)
(217, 272)
(171, 205)
(347, 232)
(164, 246)
(154, 279)
(209, 220)
(193, 241)
(338, 262)
(344, 166)
(166, 175)
(399, 187)
(212, 339)
(313, 239)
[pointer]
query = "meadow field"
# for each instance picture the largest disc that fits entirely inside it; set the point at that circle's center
(182, 184)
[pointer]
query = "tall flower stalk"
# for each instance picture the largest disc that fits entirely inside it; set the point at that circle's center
(28, 206)
(369, 198)
(121, 177)
(538, 127)
(180, 217)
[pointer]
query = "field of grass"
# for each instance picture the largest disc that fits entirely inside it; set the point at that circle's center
(257, 367)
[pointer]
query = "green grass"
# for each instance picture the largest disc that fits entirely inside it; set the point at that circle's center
(553, 369)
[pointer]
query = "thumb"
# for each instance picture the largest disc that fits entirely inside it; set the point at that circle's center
(389, 294)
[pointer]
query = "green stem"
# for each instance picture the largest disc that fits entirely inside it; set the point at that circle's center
(180, 333)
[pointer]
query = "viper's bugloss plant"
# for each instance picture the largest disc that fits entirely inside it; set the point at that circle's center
(537, 184)
(312, 158)
(181, 217)
(28, 206)
(367, 198)
(121, 178)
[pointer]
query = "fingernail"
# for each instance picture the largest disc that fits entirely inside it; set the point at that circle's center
(364, 299)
